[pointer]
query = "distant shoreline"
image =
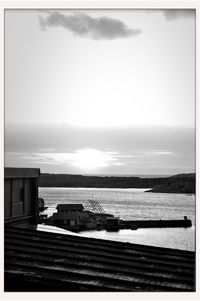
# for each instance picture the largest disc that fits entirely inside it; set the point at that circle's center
(182, 183)
(127, 175)
(176, 192)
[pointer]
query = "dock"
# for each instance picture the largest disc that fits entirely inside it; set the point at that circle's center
(185, 223)
(76, 217)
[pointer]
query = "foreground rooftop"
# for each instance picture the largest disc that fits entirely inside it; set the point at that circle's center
(50, 262)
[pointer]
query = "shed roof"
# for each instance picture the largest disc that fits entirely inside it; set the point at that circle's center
(70, 206)
(10, 172)
(42, 261)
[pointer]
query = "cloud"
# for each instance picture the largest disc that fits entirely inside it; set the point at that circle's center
(156, 152)
(174, 14)
(84, 158)
(87, 159)
(86, 26)
(119, 164)
(162, 153)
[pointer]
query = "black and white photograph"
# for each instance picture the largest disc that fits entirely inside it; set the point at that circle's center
(100, 150)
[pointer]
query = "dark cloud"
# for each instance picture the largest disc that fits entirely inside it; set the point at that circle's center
(85, 26)
(173, 14)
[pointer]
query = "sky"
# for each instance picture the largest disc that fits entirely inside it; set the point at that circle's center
(100, 91)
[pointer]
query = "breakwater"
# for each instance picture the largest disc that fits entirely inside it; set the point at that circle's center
(157, 223)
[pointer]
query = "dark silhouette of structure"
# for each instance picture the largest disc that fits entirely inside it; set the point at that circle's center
(21, 194)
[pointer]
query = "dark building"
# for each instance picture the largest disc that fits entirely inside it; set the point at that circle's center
(20, 195)
(68, 216)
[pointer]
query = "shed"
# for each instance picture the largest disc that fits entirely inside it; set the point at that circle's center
(68, 216)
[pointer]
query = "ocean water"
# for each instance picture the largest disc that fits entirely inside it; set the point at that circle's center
(133, 204)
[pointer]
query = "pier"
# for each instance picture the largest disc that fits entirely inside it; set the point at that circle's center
(76, 217)
(157, 223)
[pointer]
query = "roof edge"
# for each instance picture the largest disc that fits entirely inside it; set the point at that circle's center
(11, 172)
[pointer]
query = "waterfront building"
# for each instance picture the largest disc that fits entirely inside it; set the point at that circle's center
(68, 216)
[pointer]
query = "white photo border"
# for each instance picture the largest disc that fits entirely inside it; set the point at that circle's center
(93, 4)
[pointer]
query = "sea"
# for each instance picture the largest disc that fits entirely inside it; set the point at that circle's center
(132, 204)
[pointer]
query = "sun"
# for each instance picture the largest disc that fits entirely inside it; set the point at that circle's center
(86, 159)
(90, 159)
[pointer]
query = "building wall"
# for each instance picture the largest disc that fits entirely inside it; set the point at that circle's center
(20, 197)
(7, 199)
(69, 220)
(63, 216)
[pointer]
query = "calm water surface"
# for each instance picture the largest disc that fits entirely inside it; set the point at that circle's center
(133, 204)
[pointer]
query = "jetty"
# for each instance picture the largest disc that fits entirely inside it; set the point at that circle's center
(185, 223)
(115, 224)
(92, 216)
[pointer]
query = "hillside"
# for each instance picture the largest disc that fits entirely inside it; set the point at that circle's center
(183, 183)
